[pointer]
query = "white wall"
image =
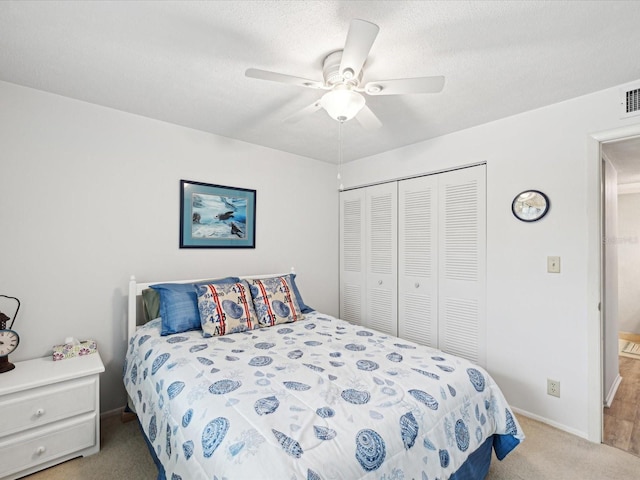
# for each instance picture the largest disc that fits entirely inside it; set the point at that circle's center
(628, 242)
(89, 196)
(537, 322)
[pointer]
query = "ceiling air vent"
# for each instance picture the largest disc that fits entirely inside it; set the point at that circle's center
(630, 101)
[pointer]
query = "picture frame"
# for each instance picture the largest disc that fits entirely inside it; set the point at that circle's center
(216, 216)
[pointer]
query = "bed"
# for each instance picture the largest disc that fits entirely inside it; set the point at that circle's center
(314, 398)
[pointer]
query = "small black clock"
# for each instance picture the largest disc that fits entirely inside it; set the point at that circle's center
(9, 339)
(530, 205)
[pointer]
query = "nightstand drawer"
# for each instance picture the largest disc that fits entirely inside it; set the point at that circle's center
(43, 405)
(22, 452)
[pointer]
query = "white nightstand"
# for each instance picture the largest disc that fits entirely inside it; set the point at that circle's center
(49, 413)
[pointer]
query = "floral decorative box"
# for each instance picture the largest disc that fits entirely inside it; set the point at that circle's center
(69, 350)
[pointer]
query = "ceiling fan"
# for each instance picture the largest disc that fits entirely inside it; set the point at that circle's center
(342, 73)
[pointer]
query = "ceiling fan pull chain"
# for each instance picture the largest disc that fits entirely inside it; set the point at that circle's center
(340, 186)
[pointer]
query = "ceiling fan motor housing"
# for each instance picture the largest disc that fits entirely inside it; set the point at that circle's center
(331, 71)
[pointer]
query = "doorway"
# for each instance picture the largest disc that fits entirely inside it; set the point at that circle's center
(594, 200)
(621, 305)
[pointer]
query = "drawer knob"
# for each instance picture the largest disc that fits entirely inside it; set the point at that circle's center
(379, 282)
(40, 450)
(417, 284)
(39, 412)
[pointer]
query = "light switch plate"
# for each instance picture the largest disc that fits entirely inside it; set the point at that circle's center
(553, 264)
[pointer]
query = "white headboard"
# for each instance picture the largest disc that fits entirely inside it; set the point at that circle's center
(135, 296)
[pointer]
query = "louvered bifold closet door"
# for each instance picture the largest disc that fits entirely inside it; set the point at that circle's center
(382, 258)
(352, 251)
(418, 260)
(462, 263)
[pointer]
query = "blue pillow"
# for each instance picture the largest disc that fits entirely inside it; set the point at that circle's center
(303, 308)
(179, 305)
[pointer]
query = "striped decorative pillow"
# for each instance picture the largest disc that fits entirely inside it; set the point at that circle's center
(274, 301)
(225, 308)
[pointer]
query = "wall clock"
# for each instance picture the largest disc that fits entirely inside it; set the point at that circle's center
(530, 205)
(9, 339)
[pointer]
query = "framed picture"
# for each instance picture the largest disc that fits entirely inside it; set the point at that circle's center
(215, 216)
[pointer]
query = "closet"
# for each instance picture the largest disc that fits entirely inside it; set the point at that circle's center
(369, 259)
(412, 260)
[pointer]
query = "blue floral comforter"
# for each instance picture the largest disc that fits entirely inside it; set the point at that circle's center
(315, 399)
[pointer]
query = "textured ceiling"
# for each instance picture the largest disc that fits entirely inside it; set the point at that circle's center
(184, 62)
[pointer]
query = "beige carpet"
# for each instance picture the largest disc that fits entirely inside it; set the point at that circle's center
(546, 454)
(551, 454)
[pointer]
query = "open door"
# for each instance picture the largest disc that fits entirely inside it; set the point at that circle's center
(611, 375)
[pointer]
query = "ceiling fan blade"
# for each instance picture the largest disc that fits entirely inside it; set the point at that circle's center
(359, 41)
(368, 119)
(300, 114)
(282, 78)
(405, 85)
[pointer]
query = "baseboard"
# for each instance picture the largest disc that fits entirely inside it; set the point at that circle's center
(612, 392)
(125, 414)
(111, 413)
(551, 423)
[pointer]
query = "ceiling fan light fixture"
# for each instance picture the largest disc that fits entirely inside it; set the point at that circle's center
(342, 103)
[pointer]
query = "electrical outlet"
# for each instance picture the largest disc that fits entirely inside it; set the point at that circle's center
(553, 387)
